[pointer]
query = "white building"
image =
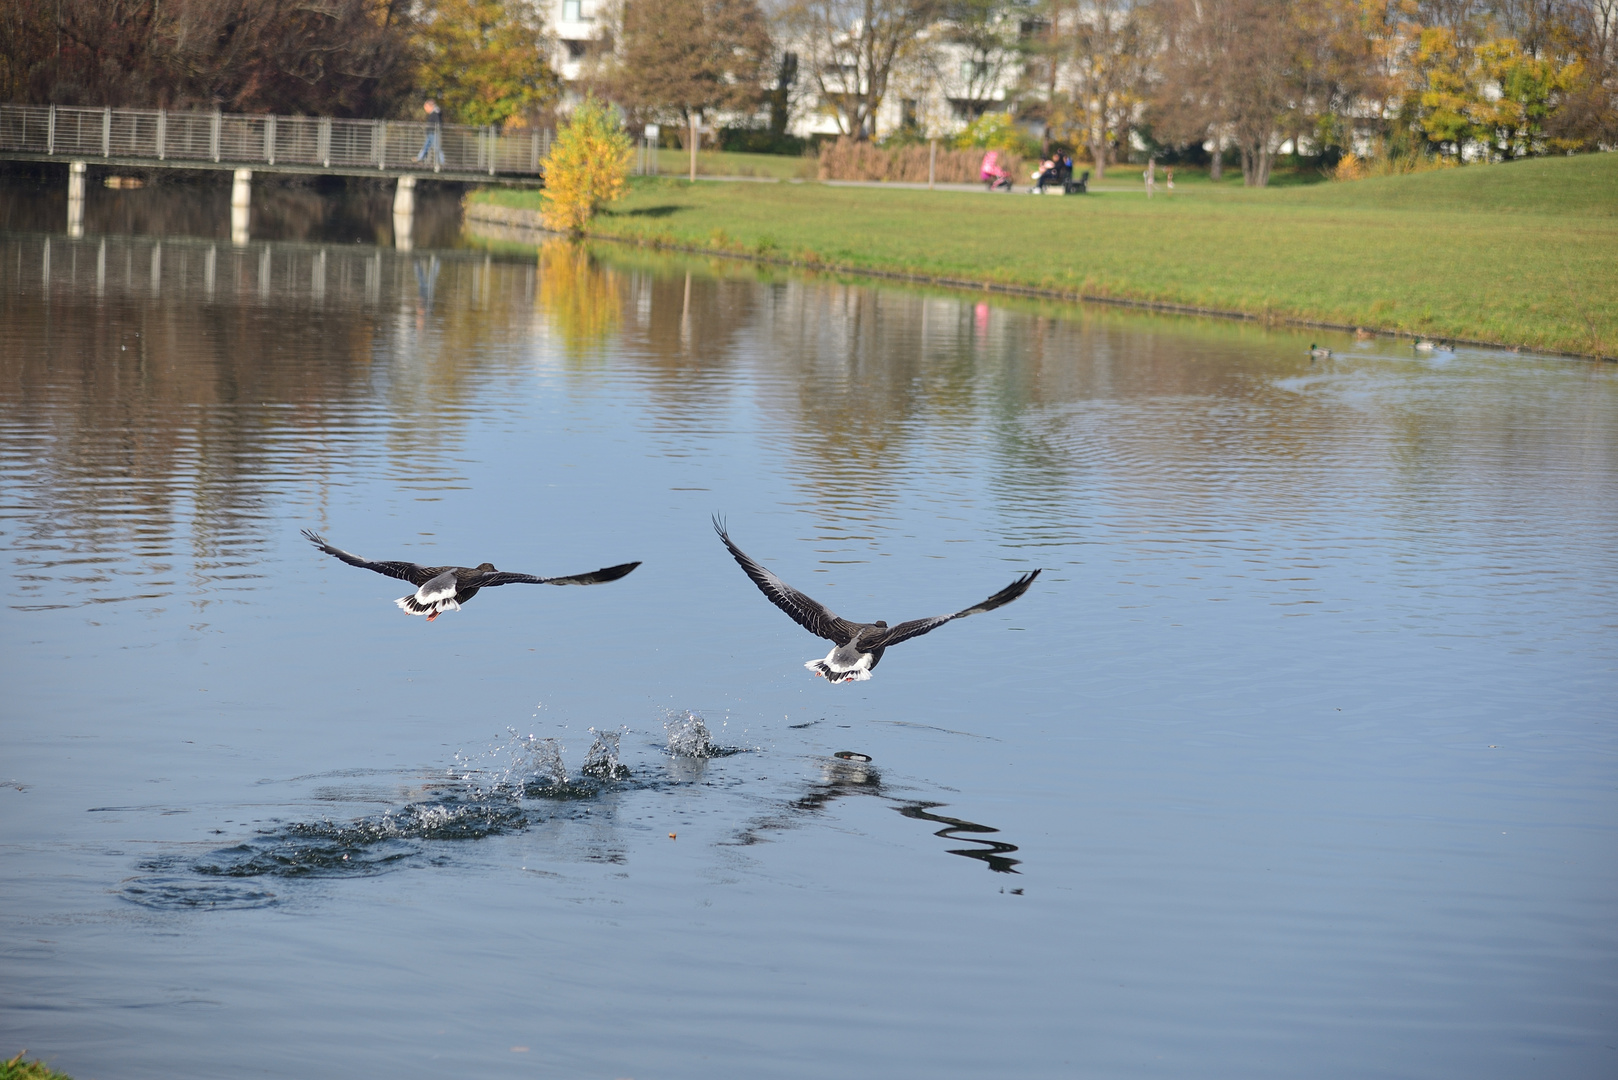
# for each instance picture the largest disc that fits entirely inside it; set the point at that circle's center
(576, 29)
(939, 90)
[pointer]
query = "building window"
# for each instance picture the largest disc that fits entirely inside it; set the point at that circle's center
(571, 11)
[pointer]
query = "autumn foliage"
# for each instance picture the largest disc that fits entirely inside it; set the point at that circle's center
(588, 167)
(483, 60)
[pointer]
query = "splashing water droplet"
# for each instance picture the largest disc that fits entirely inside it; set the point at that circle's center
(602, 760)
(688, 735)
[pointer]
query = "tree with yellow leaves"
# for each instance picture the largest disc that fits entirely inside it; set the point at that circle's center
(588, 167)
(1494, 95)
(483, 60)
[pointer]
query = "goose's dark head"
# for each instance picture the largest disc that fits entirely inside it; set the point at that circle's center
(485, 568)
(880, 623)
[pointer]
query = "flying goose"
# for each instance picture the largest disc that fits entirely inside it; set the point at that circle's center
(446, 588)
(857, 647)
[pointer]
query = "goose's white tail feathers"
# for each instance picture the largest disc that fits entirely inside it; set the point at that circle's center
(435, 595)
(831, 674)
(412, 605)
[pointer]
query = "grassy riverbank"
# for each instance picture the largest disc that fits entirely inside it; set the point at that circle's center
(1524, 254)
(18, 1069)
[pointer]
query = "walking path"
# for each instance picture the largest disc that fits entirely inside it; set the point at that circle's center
(903, 185)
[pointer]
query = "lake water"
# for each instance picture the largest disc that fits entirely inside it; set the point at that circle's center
(1298, 759)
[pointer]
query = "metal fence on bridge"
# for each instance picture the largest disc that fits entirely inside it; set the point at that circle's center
(231, 139)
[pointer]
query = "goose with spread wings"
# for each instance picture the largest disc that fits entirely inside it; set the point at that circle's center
(446, 588)
(857, 647)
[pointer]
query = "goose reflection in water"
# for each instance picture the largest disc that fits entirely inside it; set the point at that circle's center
(852, 774)
(993, 852)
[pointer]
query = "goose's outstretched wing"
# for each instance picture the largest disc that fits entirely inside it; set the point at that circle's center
(917, 627)
(594, 577)
(805, 611)
(404, 571)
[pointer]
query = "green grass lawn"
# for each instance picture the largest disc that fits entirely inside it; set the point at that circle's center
(1524, 254)
(677, 163)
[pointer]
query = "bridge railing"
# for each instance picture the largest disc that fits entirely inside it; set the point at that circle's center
(227, 138)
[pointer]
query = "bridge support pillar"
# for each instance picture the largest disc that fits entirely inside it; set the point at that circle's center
(404, 212)
(241, 203)
(75, 199)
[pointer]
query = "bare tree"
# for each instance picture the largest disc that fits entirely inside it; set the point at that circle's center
(989, 42)
(1104, 50)
(1262, 72)
(1261, 85)
(1192, 101)
(1589, 115)
(850, 49)
(683, 58)
(348, 57)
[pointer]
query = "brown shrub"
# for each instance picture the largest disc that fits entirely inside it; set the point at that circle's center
(846, 159)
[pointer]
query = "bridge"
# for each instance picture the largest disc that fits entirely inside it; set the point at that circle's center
(244, 144)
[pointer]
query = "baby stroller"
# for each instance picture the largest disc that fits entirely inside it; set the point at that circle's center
(992, 174)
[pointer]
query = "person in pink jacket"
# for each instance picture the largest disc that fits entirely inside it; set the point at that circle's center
(992, 173)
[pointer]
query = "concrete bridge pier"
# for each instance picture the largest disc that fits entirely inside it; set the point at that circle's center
(75, 199)
(241, 202)
(404, 212)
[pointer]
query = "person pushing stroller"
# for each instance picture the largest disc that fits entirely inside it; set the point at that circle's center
(992, 174)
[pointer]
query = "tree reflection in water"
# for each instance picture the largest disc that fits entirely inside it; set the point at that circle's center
(582, 302)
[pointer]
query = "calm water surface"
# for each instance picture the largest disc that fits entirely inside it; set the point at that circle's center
(1298, 760)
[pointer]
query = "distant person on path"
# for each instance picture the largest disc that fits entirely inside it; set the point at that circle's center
(1169, 172)
(1150, 176)
(435, 129)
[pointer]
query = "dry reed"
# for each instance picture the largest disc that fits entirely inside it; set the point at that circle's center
(846, 159)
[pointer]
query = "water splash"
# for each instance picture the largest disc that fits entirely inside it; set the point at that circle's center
(602, 760)
(509, 787)
(366, 846)
(688, 737)
(512, 767)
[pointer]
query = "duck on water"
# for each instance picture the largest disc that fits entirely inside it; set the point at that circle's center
(446, 588)
(856, 647)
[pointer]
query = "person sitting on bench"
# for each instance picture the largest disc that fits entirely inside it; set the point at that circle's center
(1050, 172)
(1061, 172)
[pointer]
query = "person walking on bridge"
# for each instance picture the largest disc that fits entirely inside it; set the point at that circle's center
(433, 144)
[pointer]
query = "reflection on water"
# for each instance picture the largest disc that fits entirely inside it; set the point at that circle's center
(582, 302)
(162, 389)
(847, 774)
(161, 394)
(186, 204)
(993, 852)
(1310, 717)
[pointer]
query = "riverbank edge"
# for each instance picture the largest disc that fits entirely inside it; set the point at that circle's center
(529, 221)
(18, 1069)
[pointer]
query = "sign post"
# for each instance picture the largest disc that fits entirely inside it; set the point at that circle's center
(649, 140)
(693, 144)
